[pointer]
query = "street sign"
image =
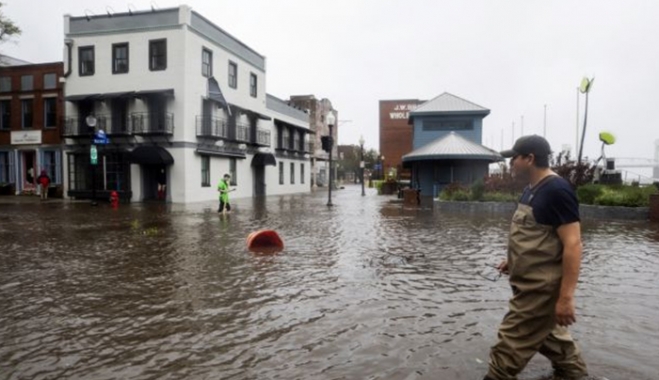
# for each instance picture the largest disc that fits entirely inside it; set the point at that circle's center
(93, 155)
(104, 141)
(101, 138)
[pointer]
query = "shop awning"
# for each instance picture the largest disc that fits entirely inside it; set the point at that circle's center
(219, 153)
(165, 92)
(151, 155)
(263, 159)
(81, 97)
(215, 93)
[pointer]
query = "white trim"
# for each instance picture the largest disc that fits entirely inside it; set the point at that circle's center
(26, 97)
(45, 96)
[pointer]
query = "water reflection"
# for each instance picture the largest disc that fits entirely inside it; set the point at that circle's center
(366, 289)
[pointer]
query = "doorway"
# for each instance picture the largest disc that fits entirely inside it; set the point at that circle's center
(259, 181)
(29, 170)
(154, 183)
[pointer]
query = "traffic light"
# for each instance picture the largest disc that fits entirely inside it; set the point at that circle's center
(326, 142)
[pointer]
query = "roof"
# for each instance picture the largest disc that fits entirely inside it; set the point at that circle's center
(452, 146)
(6, 60)
(448, 103)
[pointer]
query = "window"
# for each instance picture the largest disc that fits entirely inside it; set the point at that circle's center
(447, 125)
(206, 63)
(281, 173)
(233, 75)
(253, 85)
(49, 81)
(302, 174)
(233, 172)
(157, 55)
(26, 113)
(292, 173)
(286, 142)
(27, 82)
(5, 114)
(120, 58)
(5, 167)
(49, 112)
(205, 171)
(5, 84)
(50, 165)
(86, 60)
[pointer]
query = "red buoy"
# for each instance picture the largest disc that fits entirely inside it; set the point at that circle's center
(264, 241)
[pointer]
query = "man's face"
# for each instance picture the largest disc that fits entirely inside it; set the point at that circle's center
(520, 166)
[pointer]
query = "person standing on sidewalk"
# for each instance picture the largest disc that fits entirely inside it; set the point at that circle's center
(43, 181)
(224, 190)
(544, 257)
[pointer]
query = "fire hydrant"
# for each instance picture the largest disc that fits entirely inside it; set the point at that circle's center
(114, 199)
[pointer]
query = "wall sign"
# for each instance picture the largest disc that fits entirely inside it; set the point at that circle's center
(402, 111)
(25, 137)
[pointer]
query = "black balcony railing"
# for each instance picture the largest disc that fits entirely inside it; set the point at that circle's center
(212, 126)
(152, 123)
(243, 132)
(76, 127)
(263, 137)
(115, 125)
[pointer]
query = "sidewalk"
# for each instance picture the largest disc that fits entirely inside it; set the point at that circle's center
(27, 199)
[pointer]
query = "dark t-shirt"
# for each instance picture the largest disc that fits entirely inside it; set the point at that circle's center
(554, 202)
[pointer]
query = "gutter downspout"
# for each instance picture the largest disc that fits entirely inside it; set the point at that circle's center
(69, 47)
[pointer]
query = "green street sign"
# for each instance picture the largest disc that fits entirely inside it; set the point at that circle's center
(93, 155)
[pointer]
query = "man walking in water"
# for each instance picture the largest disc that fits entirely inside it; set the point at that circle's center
(544, 256)
(223, 189)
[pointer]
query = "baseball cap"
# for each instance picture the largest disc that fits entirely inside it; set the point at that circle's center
(525, 145)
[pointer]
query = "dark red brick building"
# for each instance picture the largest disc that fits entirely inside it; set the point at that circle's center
(31, 113)
(396, 133)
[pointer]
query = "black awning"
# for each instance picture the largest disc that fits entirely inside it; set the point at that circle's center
(82, 97)
(263, 159)
(303, 129)
(151, 155)
(165, 92)
(116, 95)
(219, 153)
(215, 93)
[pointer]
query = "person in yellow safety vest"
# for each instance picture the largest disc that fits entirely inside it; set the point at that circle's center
(544, 257)
(224, 190)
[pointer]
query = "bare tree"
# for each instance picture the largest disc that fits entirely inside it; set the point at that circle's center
(7, 27)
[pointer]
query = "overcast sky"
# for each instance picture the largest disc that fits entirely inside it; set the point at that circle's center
(512, 57)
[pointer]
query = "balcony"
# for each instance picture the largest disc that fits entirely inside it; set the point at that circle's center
(114, 126)
(76, 127)
(212, 126)
(262, 137)
(243, 132)
(152, 123)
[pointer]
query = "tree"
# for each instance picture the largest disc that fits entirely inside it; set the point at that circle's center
(7, 27)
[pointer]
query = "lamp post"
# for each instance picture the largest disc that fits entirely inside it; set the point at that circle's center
(384, 172)
(361, 163)
(331, 119)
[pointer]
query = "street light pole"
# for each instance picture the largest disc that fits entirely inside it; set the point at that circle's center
(361, 163)
(330, 123)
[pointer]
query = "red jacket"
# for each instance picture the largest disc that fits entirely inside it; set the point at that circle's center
(44, 180)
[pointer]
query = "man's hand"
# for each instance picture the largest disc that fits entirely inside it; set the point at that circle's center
(565, 312)
(503, 267)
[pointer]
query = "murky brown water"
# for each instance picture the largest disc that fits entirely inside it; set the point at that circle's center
(366, 290)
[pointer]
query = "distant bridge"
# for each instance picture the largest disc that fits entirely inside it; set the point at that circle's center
(626, 162)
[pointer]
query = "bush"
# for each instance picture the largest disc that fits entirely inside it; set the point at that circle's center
(588, 193)
(626, 196)
(461, 196)
(500, 197)
(477, 190)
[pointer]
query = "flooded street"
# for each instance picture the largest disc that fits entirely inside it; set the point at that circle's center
(365, 290)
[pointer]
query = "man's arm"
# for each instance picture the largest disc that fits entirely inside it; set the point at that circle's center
(570, 235)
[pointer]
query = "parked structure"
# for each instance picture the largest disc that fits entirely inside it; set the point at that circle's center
(181, 100)
(447, 144)
(396, 134)
(317, 111)
(31, 110)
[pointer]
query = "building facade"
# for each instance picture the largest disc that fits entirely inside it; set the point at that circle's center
(317, 109)
(655, 170)
(182, 102)
(395, 134)
(31, 112)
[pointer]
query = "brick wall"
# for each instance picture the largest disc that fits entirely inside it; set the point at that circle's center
(395, 132)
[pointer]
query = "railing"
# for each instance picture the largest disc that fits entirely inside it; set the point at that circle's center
(296, 144)
(114, 126)
(152, 123)
(263, 137)
(76, 127)
(242, 132)
(212, 126)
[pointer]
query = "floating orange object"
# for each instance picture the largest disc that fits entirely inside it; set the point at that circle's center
(264, 241)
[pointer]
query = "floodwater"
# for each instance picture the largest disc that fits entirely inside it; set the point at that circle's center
(365, 290)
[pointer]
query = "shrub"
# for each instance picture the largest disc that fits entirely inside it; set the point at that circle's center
(626, 196)
(460, 196)
(588, 193)
(477, 190)
(500, 197)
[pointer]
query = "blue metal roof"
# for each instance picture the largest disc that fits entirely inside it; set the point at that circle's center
(452, 147)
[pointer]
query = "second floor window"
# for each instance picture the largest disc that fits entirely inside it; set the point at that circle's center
(206, 63)
(27, 83)
(119, 58)
(86, 58)
(233, 74)
(5, 114)
(5, 84)
(157, 55)
(253, 85)
(26, 113)
(49, 81)
(49, 112)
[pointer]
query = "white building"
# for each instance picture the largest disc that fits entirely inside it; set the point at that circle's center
(182, 101)
(655, 171)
